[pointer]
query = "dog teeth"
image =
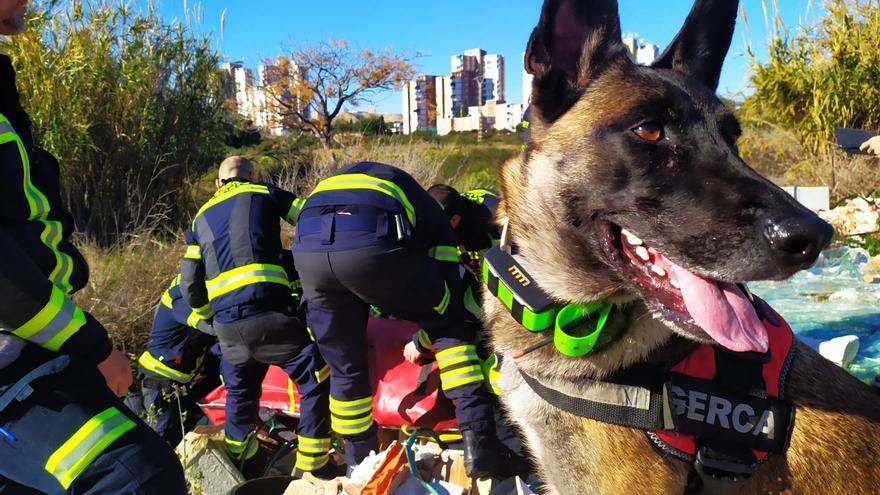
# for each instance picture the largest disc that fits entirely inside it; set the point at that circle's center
(674, 283)
(631, 238)
(748, 293)
(658, 270)
(642, 253)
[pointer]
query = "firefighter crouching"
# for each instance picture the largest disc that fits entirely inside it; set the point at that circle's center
(180, 366)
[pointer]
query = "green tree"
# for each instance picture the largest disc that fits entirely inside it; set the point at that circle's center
(130, 104)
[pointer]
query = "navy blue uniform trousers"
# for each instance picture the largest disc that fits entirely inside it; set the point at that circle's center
(402, 280)
(249, 346)
(60, 413)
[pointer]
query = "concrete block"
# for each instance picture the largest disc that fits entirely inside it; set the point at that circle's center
(207, 467)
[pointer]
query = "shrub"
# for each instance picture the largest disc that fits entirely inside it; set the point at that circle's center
(130, 105)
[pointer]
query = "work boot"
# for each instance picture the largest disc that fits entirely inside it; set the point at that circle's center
(328, 472)
(486, 457)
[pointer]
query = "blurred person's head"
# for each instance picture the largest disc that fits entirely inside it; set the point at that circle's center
(12, 16)
(472, 221)
(234, 167)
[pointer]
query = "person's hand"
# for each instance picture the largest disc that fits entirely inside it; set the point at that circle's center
(871, 146)
(117, 371)
(411, 353)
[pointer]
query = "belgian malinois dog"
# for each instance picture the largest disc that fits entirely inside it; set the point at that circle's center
(632, 190)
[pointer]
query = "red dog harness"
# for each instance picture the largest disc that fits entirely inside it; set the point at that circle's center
(722, 412)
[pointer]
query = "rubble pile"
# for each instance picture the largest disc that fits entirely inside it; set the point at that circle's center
(856, 216)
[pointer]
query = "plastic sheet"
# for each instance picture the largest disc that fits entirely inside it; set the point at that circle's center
(832, 299)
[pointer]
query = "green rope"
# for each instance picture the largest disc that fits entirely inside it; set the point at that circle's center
(411, 460)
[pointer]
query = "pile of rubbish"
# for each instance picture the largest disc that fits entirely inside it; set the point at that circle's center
(415, 467)
(856, 216)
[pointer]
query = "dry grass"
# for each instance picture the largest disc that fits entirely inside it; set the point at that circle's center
(126, 283)
(780, 156)
(128, 279)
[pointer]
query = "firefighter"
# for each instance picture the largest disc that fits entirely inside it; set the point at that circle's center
(370, 235)
(63, 428)
(471, 215)
(180, 366)
(234, 269)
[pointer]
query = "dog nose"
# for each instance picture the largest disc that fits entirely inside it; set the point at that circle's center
(798, 239)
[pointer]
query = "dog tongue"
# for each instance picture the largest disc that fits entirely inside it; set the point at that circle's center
(722, 311)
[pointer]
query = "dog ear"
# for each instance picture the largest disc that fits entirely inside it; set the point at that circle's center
(698, 50)
(575, 41)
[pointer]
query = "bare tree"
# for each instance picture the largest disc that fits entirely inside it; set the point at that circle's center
(312, 85)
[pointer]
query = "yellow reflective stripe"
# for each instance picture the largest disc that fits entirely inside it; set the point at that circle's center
(204, 312)
(291, 395)
(193, 320)
(448, 437)
(323, 373)
(167, 301)
(229, 191)
(311, 333)
(237, 447)
(444, 253)
(363, 181)
(468, 370)
(450, 383)
(295, 208)
(313, 445)
(55, 323)
(75, 455)
(491, 373)
(471, 304)
(38, 204)
(156, 366)
(193, 253)
(352, 426)
(425, 340)
(352, 411)
(346, 405)
(444, 303)
(455, 350)
(457, 354)
(245, 275)
(305, 462)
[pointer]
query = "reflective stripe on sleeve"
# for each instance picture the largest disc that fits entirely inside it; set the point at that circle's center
(444, 303)
(444, 253)
(150, 363)
(193, 253)
(59, 319)
(75, 455)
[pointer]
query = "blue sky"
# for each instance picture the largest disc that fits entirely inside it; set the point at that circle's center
(256, 29)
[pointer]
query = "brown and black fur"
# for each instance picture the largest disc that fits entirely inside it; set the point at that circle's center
(691, 197)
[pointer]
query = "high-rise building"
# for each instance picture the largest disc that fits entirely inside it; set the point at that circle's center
(237, 81)
(493, 78)
(639, 50)
(646, 53)
(526, 83)
(420, 103)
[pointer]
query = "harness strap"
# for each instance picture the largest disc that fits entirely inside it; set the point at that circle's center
(622, 405)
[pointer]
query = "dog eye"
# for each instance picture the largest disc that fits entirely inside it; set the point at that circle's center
(649, 131)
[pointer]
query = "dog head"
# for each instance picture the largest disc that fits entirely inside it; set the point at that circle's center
(632, 188)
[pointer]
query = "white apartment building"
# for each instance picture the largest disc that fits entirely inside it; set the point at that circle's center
(526, 83)
(639, 50)
(493, 77)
